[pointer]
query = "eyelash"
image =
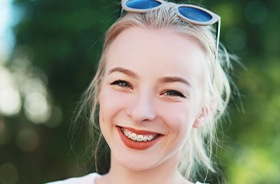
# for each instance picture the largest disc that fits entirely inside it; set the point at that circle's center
(171, 93)
(122, 83)
(174, 93)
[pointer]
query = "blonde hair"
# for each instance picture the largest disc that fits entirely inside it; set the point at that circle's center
(197, 151)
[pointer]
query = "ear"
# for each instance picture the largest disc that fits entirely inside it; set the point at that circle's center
(201, 119)
(205, 114)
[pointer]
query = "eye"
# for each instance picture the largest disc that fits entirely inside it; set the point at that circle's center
(174, 93)
(122, 83)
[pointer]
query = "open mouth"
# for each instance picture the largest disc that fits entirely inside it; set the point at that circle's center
(138, 139)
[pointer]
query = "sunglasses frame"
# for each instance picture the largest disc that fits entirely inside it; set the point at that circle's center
(215, 18)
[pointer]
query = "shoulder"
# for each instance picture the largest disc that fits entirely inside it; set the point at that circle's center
(87, 179)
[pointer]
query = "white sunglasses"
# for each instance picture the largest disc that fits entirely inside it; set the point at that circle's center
(193, 14)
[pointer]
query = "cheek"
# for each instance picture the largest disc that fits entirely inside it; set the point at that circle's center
(106, 104)
(179, 117)
(110, 104)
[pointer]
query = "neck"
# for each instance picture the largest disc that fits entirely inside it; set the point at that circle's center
(165, 173)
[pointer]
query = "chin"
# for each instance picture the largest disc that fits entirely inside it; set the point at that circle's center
(135, 163)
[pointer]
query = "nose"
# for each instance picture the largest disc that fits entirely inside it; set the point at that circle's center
(142, 108)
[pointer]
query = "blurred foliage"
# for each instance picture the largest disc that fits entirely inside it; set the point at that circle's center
(58, 44)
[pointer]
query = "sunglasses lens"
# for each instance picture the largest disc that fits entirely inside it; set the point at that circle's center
(142, 4)
(195, 14)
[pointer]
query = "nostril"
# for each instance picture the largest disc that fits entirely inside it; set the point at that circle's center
(142, 105)
(141, 113)
(139, 116)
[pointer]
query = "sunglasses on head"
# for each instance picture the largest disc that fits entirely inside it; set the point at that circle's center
(189, 13)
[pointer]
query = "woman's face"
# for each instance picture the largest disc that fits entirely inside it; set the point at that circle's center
(151, 96)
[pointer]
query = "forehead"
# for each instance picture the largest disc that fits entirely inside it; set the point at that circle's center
(163, 51)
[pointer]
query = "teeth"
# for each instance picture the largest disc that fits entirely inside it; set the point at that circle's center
(138, 138)
(133, 136)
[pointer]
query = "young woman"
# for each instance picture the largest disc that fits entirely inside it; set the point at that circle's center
(158, 93)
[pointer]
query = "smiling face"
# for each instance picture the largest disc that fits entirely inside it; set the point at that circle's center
(151, 97)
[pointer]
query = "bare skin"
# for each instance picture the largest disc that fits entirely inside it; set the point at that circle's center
(161, 99)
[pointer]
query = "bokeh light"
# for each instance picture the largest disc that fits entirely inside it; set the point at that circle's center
(52, 60)
(23, 86)
(236, 39)
(8, 174)
(10, 102)
(4, 133)
(27, 140)
(37, 108)
(256, 12)
(56, 117)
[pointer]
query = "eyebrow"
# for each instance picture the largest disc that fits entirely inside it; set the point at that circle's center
(175, 79)
(125, 71)
(162, 80)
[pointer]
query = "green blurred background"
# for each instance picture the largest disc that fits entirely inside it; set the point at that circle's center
(57, 46)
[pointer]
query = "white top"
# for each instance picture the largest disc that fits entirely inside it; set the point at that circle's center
(88, 179)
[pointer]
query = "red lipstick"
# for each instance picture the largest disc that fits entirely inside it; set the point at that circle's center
(138, 139)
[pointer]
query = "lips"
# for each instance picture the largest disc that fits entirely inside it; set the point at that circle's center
(138, 139)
